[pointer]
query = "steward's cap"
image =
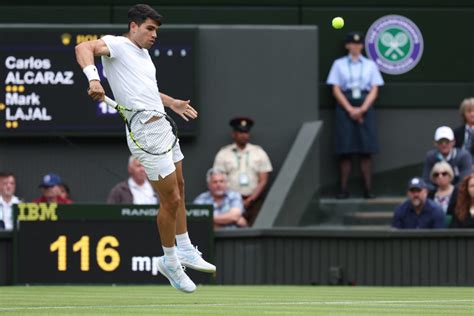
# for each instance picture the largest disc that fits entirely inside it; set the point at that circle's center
(355, 37)
(241, 124)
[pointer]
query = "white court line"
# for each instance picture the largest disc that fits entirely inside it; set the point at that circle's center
(194, 305)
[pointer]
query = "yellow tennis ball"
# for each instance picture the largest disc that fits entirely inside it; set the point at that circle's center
(338, 23)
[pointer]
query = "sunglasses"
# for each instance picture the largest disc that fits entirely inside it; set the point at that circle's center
(437, 174)
(443, 141)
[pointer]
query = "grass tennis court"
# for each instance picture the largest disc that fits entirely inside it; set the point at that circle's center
(235, 300)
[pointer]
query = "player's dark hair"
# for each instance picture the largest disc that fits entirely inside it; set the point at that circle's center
(140, 12)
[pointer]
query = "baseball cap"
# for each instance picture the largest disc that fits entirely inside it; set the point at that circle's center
(444, 132)
(241, 124)
(49, 180)
(416, 183)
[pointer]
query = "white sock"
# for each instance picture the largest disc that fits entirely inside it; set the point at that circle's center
(170, 255)
(183, 241)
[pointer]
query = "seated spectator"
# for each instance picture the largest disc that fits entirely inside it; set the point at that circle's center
(445, 193)
(458, 158)
(64, 191)
(136, 190)
(50, 190)
(2, 177)
(228, 204)
(7, 199)
(464, 134)
(464, 213)
(418, 211)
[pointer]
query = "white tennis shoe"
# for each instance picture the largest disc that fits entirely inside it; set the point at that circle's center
(176, 275)
(192, 258)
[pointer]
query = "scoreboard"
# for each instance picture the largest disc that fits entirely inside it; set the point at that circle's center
(43, 89)
(57, 244)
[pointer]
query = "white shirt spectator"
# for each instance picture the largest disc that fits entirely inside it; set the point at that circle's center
(142, 194)
(6, 212)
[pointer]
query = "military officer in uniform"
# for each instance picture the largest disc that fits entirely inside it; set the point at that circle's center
(355, 81)
(247, 166)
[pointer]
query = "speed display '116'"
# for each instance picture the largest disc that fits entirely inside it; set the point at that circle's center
(98, 243)
(105, 249)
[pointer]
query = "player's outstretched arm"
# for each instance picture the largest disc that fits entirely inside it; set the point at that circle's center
(85, 53)
(181, 107)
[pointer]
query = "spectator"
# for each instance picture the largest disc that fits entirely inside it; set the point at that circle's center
(7, 199)
(355, 84)
(458, 158)
(418, 211)
(3, 175)
(135, 190)
(64, 191)
(246, 165)
(445, 193)
(464, 213)
(464, 135)
(228, 204)
(50, 190)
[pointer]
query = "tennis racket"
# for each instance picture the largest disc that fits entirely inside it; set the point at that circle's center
(152, 131)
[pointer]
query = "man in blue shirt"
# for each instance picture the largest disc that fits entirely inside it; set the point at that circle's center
(228, 204)
(418, 211)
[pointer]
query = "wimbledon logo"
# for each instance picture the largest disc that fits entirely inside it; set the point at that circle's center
(395, 44)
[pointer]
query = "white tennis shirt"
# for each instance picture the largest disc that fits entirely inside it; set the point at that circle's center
(131, 74)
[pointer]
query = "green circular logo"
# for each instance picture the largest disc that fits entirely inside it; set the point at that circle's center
(394, 44)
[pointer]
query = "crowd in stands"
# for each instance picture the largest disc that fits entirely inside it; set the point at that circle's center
(53, 190)
(236, 184)
(444, 195)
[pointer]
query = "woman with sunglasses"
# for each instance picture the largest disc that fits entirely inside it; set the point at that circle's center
(445, 193)
(464, 213)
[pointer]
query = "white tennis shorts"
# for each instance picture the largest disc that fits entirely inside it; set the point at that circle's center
(156, 166)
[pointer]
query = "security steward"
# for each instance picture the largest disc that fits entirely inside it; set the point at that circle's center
(247, 166)
(355, 81)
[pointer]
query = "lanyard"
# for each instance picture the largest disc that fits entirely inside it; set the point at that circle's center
(237, 157)
(351, 78)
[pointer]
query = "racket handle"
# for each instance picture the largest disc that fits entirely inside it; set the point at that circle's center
(110, 102)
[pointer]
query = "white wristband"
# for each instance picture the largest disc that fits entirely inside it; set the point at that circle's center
(91, 73)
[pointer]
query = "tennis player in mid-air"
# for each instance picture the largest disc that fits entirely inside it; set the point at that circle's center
(132, 77)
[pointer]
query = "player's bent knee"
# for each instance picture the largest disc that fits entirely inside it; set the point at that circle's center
(171, 202)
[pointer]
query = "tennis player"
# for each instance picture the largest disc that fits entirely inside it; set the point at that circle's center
(132, 77)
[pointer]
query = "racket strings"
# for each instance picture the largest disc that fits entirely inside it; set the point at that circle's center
(153, 132)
